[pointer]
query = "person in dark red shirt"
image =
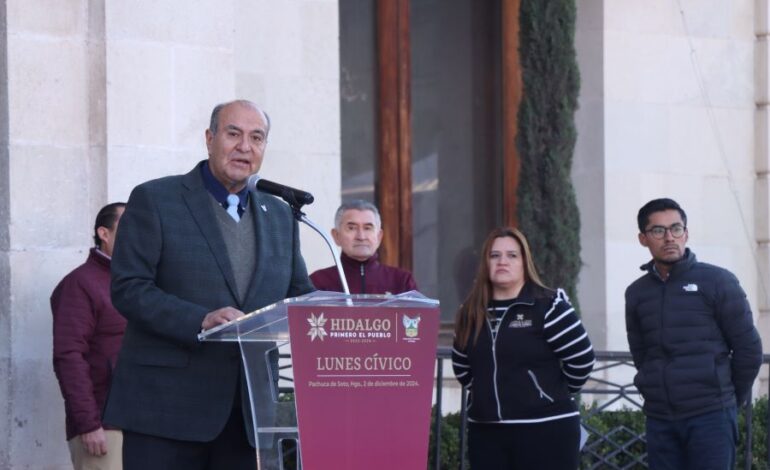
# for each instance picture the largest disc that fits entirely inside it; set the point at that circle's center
(87, 333)
(358, 232)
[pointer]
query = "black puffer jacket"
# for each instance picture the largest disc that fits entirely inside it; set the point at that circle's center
(692, 338)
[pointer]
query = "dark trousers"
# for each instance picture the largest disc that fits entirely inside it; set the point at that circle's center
(551, 445)
(703, 442)
(230, 450)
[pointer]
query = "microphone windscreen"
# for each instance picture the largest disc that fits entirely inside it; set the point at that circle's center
(251, 183)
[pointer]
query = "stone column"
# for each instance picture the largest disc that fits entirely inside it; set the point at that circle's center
(52, 172)
(762, 166)
(5, 270)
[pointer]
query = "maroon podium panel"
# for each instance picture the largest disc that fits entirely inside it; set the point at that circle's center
(363, 379)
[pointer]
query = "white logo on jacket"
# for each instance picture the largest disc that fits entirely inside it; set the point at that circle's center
(520, 322)
(690, 288)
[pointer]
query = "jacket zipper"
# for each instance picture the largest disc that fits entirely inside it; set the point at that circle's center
(363, 279)
(493, 337)
(537, 386)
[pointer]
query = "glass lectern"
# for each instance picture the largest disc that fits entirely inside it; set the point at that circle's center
(355, 358)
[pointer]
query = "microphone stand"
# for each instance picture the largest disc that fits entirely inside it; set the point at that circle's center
(296, 209)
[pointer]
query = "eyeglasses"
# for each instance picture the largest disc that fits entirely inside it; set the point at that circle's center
(658, 231)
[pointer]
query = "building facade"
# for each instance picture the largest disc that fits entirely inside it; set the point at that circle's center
(97, 96)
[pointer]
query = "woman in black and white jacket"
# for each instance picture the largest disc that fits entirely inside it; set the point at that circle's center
(521, 351)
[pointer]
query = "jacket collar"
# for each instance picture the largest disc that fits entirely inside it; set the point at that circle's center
(197, 198)
(98, 257)
(684, 264)
(372, 262)
(526, 295)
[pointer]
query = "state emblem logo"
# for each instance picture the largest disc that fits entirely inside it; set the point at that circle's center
(410, 325)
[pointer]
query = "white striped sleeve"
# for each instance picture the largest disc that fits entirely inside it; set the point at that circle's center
(569, 341)
(461, 366)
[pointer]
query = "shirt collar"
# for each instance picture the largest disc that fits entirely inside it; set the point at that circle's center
(219, 192)
(102, 254)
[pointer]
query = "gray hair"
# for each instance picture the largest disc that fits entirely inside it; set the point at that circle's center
(214, 122)
(357, 204)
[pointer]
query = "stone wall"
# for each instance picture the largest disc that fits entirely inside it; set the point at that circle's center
(98, 96)
(667, 109)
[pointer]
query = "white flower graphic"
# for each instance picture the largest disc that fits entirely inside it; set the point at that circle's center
(316, 327)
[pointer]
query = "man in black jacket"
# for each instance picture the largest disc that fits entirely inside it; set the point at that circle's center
(694, 345)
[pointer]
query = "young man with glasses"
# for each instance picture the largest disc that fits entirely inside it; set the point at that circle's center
(694, 345)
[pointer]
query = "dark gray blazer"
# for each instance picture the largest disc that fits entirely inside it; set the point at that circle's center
(169, 269)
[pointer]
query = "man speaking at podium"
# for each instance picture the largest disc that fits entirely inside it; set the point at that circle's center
(195, 251)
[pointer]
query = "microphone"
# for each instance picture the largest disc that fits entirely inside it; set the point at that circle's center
(295, 197)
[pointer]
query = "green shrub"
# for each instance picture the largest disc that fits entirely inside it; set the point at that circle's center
(619, 446)
(759, 458)
(450, 442)
(613, 438)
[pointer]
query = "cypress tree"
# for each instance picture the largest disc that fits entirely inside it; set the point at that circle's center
(547, 211)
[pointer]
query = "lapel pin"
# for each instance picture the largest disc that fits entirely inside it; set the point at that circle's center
(264, 208)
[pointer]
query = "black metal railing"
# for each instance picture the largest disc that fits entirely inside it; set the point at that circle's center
(615, 448)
